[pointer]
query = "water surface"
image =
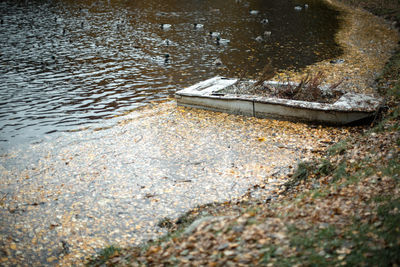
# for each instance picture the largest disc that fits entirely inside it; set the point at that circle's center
(72, 65)
(91, 189)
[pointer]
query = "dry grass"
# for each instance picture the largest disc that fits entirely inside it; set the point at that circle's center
(310, 88)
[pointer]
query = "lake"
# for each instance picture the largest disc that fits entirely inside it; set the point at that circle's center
(77, 65)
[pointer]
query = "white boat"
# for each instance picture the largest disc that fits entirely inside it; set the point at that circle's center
(350, 108)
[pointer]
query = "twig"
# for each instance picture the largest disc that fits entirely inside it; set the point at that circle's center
(4, 197)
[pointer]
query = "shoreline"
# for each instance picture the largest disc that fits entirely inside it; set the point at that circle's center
(367, 41)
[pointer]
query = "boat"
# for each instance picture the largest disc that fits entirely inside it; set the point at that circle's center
(211, 94)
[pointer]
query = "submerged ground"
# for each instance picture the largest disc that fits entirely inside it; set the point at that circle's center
(160, 163)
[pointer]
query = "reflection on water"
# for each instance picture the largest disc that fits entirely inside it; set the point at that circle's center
(66, 65)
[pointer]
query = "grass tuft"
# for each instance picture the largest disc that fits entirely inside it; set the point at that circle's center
(338, 149)
(103, 256)
(301, 174)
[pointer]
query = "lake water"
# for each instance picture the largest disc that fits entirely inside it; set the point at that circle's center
(72, 65)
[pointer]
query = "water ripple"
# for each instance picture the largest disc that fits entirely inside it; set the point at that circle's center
(64, 63)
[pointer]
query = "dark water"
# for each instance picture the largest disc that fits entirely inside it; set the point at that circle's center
(71, 65)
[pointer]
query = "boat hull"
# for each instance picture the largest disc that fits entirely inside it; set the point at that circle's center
(207, 95)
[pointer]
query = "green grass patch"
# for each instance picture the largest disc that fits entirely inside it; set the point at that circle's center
(268, 254)
(301, 173)
(103, 256)
(390, 215)
(377, 244)
(338, 148)
(325, 167)
(316, 247)
(320, 193)
(392, 169)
